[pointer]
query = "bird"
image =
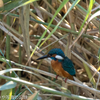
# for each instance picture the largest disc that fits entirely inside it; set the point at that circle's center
(60, 63)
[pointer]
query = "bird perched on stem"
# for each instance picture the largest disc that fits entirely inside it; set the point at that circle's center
(61, 64)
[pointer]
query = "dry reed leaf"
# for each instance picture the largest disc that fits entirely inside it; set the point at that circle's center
(1, 3)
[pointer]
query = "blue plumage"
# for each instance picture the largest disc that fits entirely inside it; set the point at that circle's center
(68, 66)
(57, 51)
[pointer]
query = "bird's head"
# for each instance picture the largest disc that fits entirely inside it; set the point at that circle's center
(54, 54)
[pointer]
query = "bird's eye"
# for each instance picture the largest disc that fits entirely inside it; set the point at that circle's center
(49, 55)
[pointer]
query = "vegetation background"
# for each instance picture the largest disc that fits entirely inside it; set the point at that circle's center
(29, 29)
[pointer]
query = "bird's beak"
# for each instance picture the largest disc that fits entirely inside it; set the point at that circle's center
(46, 56)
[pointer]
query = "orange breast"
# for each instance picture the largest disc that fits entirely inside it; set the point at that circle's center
(57, 67)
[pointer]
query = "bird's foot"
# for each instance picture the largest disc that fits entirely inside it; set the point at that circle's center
(65, 80)
(57, 76)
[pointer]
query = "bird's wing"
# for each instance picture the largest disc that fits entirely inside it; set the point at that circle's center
(68, 66)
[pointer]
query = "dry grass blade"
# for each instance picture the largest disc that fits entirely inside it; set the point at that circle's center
(24, 21)
(36, 28)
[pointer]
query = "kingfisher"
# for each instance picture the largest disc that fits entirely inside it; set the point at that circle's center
(60, 63)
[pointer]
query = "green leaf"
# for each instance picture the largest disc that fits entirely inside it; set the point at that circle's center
(88, 13)
(92, 80)
(18, 89)
(8, 85)
(14, 4)
(5, 1)
(6, 94)
(99, 54)
(19, 95)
